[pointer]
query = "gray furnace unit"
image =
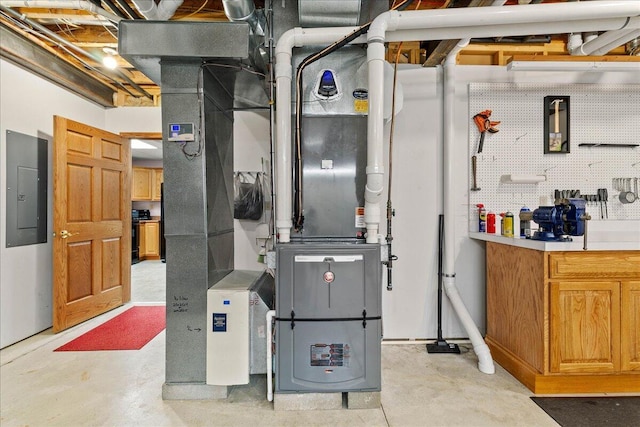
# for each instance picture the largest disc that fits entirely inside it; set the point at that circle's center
(328, 328)
(328, 279)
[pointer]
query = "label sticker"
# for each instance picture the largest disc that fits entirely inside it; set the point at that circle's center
(360, 218)
(361, 100)
(219, 322)
(330, 355)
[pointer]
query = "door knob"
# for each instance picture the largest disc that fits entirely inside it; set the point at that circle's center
(64, 234)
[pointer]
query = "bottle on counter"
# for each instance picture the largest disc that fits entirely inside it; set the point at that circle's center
(502, 215)
(525, 224)
(482, 218)
(508, 224)
(491, 222)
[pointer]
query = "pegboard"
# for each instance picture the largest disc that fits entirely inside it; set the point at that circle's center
(602, 114)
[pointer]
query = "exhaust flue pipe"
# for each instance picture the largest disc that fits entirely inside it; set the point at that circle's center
(245, 11)
(157, 12)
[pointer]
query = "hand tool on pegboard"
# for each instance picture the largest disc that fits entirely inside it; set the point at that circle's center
(484, 125)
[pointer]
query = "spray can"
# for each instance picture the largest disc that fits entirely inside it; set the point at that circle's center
(482, 218)
(491, 222)
(525, 225)
(508, 224)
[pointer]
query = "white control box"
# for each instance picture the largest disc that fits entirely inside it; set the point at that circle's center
(228, 329)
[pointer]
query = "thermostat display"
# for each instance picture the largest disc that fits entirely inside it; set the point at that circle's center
(179, 132)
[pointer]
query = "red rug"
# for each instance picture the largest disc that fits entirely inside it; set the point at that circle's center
(130, 330)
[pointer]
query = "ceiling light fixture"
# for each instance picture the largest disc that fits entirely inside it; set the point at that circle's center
(572, 66)
(109, 59)
(136, 144)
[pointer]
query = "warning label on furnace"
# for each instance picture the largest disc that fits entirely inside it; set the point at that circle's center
(330, 355)
(360, 218)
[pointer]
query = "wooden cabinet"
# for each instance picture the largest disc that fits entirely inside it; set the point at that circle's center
(146, 184)
(565, 322)
(149, 246)
(630, 334)
(157, 181)
(141, 188)
(585, 326)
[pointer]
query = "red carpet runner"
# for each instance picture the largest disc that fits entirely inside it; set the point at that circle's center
(130, 330)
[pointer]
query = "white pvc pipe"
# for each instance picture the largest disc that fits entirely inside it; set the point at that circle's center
(621, 41)
(479, 31)
(487, 16)
(375, 134)
(64, 4)
(270, 315)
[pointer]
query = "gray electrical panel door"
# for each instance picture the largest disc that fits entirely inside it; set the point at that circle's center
(27, 166)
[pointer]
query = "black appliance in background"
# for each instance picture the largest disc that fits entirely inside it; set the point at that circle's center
(163, 245)
(135, 240)
(136, 216)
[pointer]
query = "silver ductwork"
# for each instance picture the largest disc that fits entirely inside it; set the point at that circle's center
(245, 11)
(161, 11)
(328, 13)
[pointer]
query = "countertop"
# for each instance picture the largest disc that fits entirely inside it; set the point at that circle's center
(600, 240)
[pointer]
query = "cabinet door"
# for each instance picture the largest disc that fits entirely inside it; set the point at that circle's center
(142, 245)
(141, 184)
(152, 239)
(585, 326)
(157, 180)
(630, 340)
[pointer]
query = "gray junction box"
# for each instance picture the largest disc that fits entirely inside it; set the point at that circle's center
(329, 328)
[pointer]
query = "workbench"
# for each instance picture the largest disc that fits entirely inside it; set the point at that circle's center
(563, 320)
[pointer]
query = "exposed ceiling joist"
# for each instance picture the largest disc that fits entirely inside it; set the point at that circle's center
(26, 54)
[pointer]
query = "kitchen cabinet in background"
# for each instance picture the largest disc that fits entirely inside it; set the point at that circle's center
(146, 184)
(149, 245)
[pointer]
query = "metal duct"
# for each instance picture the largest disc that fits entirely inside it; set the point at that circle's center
(157, 12)
(245, 11)
(328, 13)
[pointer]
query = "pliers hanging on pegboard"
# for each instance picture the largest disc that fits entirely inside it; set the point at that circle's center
(484, 124)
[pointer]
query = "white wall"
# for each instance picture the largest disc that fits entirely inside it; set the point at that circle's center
(250, 154)
(27, 105)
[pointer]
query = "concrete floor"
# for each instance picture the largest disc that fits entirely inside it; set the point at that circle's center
(123, 388)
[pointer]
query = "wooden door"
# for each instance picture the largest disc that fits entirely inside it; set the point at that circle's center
(92, 222)
(631, 326)
(585, 326)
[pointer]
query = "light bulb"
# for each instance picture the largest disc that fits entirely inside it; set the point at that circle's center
(109, 62)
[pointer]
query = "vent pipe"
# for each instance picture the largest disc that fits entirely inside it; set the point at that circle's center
(157, 12)
(244, 11)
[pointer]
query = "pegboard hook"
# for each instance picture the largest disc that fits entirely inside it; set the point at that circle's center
(594, 163)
